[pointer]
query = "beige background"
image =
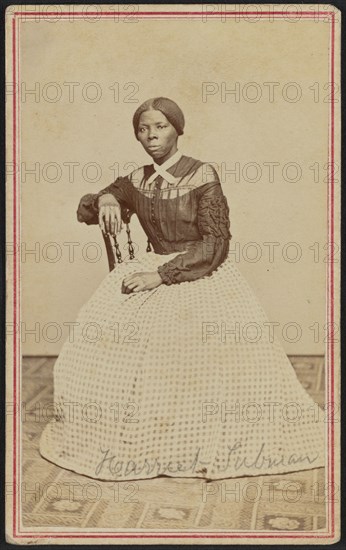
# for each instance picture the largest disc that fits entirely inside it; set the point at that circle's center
(173, 58)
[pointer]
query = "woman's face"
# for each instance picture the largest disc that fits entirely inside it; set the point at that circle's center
(157, 135)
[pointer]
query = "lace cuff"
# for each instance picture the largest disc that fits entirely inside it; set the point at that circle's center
(168, 273)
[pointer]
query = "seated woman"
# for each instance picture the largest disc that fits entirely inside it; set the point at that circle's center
(180, 383)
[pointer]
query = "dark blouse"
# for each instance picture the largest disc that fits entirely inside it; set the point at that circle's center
(190, 216)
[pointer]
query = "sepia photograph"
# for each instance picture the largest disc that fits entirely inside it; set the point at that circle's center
(173, 259)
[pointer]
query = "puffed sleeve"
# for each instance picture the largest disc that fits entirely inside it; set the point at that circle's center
(204, 256)
(88, 206)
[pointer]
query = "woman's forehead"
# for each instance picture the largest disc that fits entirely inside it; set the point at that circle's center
(152, 116)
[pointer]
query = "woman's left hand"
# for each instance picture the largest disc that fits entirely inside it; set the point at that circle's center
(141, 281)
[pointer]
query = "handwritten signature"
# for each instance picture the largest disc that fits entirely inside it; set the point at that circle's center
(147, 466)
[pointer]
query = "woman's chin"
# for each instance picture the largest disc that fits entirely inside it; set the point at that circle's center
(156, 155)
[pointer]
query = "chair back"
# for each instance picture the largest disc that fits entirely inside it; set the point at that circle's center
(112, 246)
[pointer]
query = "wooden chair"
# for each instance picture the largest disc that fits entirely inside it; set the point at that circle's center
(112, 246)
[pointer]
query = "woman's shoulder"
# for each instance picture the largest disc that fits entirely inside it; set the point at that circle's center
(189, 165)
(183, 166)
(199, 172)
(187, 170)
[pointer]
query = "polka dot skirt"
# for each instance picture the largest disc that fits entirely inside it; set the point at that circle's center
(183, 380)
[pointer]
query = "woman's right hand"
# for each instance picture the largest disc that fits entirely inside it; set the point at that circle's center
(109, 214)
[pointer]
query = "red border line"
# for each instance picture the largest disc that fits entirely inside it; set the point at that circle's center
(201, 534)
(183, 13)
(212, 535)
(332, 114)
(15, 288)
(229, 535)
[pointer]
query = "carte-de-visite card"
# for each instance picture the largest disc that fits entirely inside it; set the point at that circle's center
(173, 274)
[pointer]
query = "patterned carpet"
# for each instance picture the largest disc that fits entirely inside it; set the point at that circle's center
(56, 497)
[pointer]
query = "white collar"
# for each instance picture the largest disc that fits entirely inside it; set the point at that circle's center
(161, 169)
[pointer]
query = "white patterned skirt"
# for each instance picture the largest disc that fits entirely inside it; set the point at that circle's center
(183, 380)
